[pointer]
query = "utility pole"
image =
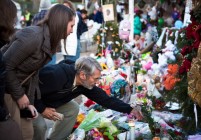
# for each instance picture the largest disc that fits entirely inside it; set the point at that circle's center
(131, 18)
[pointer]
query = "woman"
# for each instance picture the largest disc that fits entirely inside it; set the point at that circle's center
(8, 12)
(71, 48)
(137, 23)
(29, 50)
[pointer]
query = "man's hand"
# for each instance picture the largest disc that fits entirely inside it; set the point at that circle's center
(23, 102)
(51, 114)
(136, 112)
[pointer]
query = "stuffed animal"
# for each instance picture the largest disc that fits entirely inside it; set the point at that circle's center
(147, 66)
(109, 61)
(155, 69)
(147, 39)
(169, 46)
(152, 12)
(169, 51)
(157, 82)
(153, 91)
(102, 61)
(170, 79)
(162, 60)
(121, 89)
(124, 29)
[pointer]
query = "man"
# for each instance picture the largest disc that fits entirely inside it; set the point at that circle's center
(43, 9)
(99, 16)
(63, 82)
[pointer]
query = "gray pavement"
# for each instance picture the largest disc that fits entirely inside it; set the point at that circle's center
(85, 51)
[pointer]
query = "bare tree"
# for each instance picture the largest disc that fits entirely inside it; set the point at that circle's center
(36, 4)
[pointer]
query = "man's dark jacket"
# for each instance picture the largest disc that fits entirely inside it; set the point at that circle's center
(56, 85)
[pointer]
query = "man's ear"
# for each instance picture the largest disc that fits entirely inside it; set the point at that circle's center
(82, 75)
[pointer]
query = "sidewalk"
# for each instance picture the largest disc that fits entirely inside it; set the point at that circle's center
(85, 51)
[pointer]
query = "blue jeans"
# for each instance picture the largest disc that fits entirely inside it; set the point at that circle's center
(74, 58)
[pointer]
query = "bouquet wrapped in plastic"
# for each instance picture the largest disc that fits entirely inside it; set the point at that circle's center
(92, 120)
(106, 123)
(78, 134)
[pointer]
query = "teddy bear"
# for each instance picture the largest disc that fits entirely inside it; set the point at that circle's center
(170, 79)
(124, 29)
(169, 51)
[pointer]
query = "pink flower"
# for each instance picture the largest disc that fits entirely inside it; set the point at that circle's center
(141, 95)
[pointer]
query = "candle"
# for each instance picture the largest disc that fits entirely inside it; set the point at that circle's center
(131, 123)
(156, 138)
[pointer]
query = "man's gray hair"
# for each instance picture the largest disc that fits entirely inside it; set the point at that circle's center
(87, 65)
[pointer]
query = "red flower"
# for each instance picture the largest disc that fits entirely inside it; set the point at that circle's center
(170, 32)
(178, 133)
(186, 65)
(88, 103)
(170, 124)
(186, 50)
(182, 69)
(191, 30)
(196, 44)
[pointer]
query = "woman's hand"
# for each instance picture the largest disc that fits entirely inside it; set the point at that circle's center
(33, 110)
(23, 102)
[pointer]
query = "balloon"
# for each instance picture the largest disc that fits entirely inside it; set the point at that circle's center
(160, 22)
(178, 24)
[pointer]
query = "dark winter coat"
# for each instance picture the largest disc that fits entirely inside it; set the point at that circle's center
(57, 89)
(81, 27)
(3, 112)
(28, 51)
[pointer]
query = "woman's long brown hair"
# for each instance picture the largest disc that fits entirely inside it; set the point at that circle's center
(8, 14)
(57, 20)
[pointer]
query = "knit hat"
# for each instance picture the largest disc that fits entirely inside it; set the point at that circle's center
(44, 5)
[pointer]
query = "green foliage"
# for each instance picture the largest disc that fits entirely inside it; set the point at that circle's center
(180, 92)
(108, 1)
(109, 33)
(147, 118)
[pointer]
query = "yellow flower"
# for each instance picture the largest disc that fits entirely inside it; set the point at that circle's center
(116, 50)
(98, 37)
(80, 118)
